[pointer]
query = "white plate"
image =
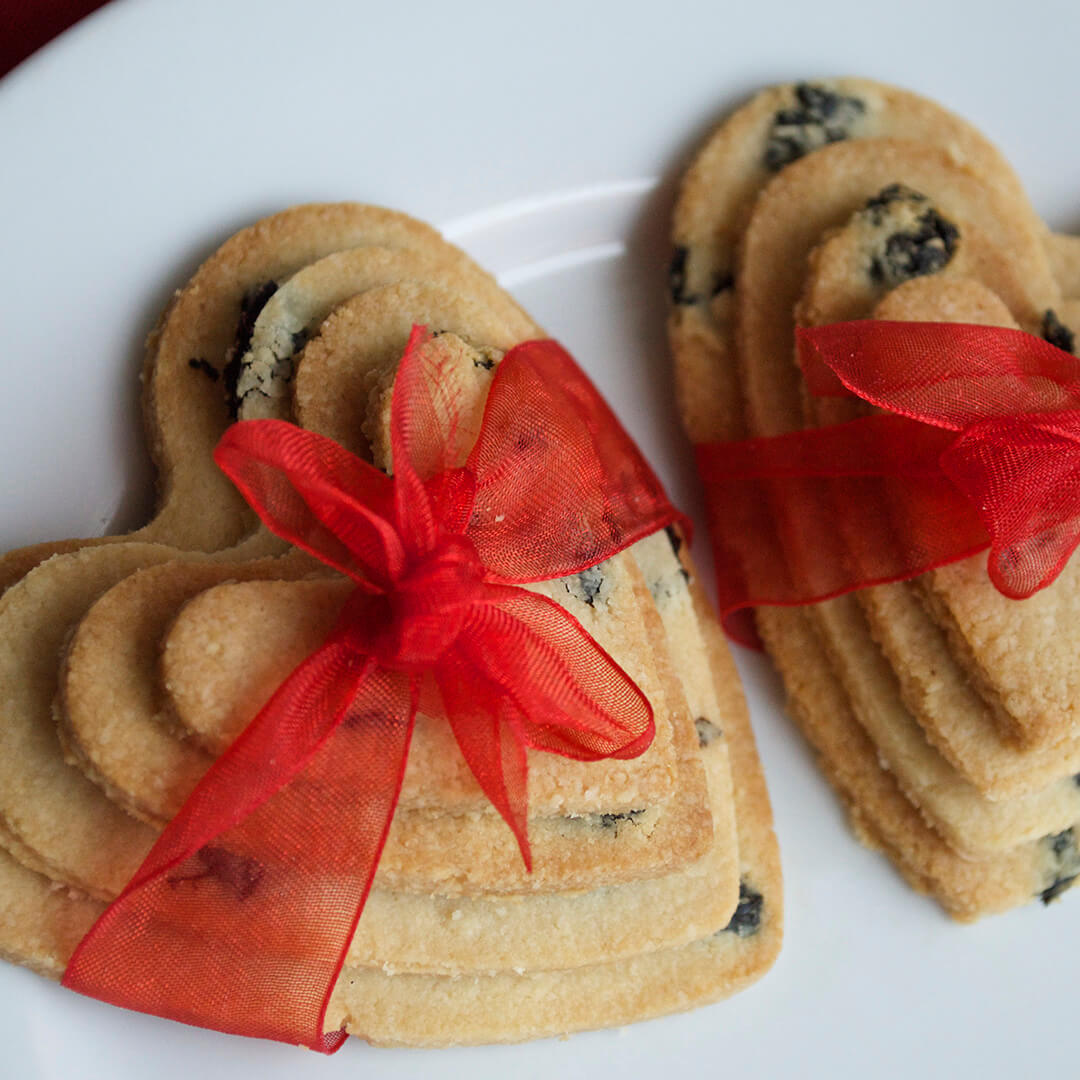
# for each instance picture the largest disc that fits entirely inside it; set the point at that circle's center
(546, 139)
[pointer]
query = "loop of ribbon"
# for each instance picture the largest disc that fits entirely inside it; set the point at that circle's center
(979, 447)
(240, 917)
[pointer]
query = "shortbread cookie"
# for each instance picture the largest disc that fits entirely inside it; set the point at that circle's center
(146, 777)
(40, 926)
(454, 853)
(187, 355)
(897, 237)
(233, 645)
(956, 718)
(404, 930)
(966, 819)
(263, 378)
(777, 127)
(775, 241)
(809, 198)
(435, 913)
(363, 340)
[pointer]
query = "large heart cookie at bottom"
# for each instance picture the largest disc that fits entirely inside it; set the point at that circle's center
(40, 926)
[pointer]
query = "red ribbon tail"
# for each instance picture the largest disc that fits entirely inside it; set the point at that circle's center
(240, 918)
(524, 674)
(570, 695)
(492, 744)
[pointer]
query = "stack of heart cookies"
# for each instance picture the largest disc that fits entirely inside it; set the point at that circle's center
(127, 664)
(946, 716)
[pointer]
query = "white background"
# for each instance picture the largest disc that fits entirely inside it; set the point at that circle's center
(547, 139)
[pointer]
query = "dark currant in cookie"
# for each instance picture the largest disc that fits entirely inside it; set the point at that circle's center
(613, 821)
(676, 546)
(707, 731)
(1056, 332)
(1063, 858)
(586, 584)
(747, 918)
(910, 238)
(240, 874)
(819, 116)
(723, 283)
(199, 363)
(251, 306)
(677, 278)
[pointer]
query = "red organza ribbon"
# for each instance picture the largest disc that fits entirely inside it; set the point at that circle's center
(980, 447)
(241, 915)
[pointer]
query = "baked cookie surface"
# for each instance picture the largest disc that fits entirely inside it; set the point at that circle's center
(647, 870)
(848, 204)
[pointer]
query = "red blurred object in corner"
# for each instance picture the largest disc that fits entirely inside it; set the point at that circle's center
(26, 25)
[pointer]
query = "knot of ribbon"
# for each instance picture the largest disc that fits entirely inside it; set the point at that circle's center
(241, 915)
(978, 447)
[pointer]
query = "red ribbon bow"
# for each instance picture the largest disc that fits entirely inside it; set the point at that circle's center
(980, 448)
(241, 915)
